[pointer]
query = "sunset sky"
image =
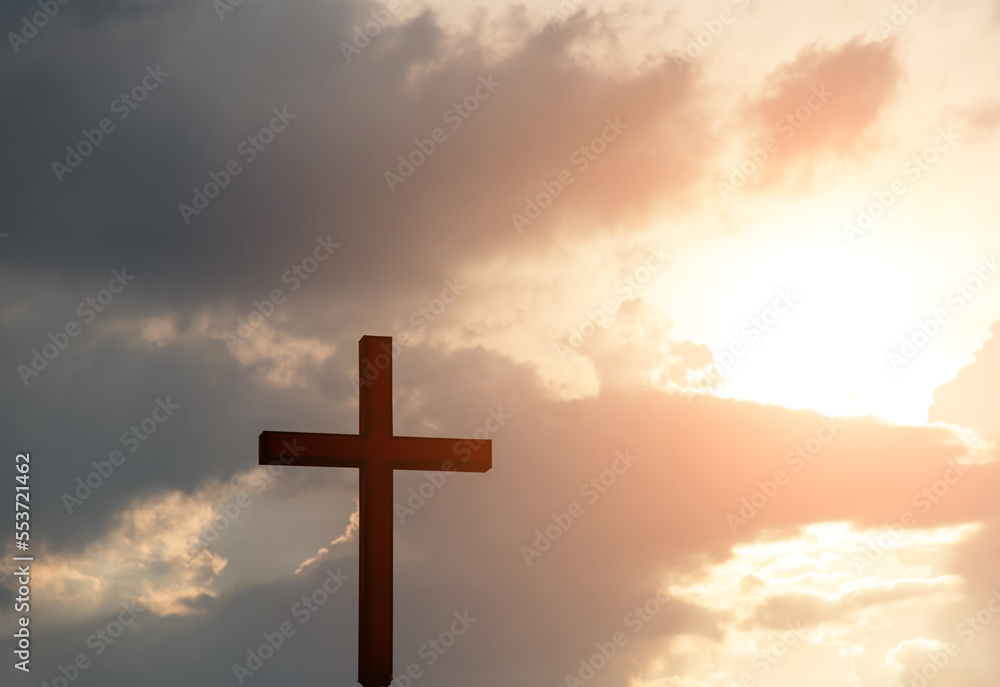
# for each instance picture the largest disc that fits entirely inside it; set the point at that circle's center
(720, 280)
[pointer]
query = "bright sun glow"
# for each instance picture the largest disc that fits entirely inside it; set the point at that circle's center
(811, 322)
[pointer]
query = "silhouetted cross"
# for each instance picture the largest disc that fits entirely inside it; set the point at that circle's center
(376, 452)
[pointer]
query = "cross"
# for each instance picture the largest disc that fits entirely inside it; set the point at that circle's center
(376, 452)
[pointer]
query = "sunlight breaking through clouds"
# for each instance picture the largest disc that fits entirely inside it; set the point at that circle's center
(831, 593)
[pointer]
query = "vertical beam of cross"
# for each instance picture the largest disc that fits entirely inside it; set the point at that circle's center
(375, 524)
(376, 452)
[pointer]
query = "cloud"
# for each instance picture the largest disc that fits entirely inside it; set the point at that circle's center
(827, 103)
(635, 351)
(151, 555)
(815, 609)
(665, 516)
(967, 400)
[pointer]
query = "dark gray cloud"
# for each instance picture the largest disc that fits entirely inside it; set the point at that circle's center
(325, 172)
(323, 176)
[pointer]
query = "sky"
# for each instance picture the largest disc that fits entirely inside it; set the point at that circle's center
(719, 281)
